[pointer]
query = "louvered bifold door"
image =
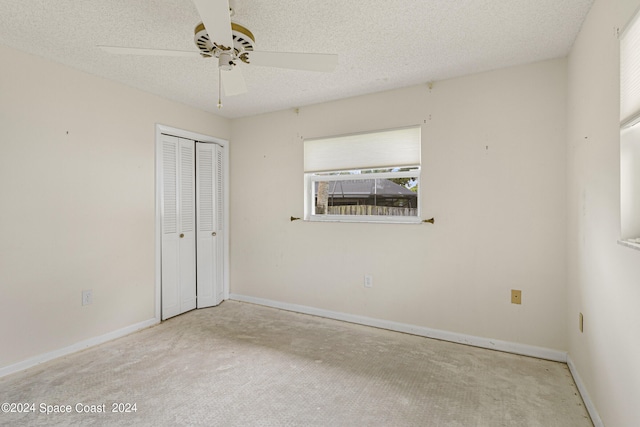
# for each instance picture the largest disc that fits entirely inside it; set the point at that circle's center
(207, 225)
(178, 226)
(187, 237)
(220, 192)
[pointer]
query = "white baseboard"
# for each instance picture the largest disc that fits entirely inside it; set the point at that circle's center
(36, 360)
(588, 403)
(509, 347)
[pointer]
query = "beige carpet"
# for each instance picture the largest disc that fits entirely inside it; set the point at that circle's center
(245, 365)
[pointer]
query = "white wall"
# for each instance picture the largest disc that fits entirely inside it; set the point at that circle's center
(494, 158)
(604, 277)
(77, 202)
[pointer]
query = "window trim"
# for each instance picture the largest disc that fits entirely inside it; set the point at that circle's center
(312, 177)
(629, 63)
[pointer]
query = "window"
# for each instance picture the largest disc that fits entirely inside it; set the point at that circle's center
(630, 133)
(367, 177)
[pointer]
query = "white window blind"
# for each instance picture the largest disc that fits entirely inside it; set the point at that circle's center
(395, 147)
(630, 73)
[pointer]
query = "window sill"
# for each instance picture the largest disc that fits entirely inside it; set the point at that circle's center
(629, 244)
(368, 220)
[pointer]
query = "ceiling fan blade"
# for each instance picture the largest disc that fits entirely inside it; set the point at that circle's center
(233, 81)
(149, 52)
(296, 61)
(216, 19)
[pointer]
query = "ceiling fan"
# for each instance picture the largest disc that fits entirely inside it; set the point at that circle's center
(231, 43)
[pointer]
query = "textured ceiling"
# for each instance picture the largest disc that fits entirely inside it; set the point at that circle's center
(382, 44)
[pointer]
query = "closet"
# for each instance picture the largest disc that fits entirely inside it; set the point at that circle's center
(191, 223)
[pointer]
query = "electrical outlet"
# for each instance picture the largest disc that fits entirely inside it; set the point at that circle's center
(87, 297)
(516, 296)
(368, 281)
(581, 322)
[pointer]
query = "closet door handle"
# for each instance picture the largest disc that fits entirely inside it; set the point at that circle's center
(213, 234)
(181, 235)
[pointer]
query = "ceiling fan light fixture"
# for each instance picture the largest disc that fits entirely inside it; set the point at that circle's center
(225, 62)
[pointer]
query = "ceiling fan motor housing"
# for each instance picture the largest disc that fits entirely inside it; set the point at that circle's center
(243, 41)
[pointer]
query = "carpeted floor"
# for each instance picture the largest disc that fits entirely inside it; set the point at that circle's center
(245, 365)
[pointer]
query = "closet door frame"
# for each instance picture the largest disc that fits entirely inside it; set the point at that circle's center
(224, 144)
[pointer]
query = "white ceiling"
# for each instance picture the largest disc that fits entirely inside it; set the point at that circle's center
(382, 44)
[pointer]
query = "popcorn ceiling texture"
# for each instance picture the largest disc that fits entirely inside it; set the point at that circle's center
(382, 44)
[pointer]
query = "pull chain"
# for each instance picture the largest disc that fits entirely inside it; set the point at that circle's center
(219, 88)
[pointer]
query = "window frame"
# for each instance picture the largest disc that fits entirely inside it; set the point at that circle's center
(630, 133)
(312, 177)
